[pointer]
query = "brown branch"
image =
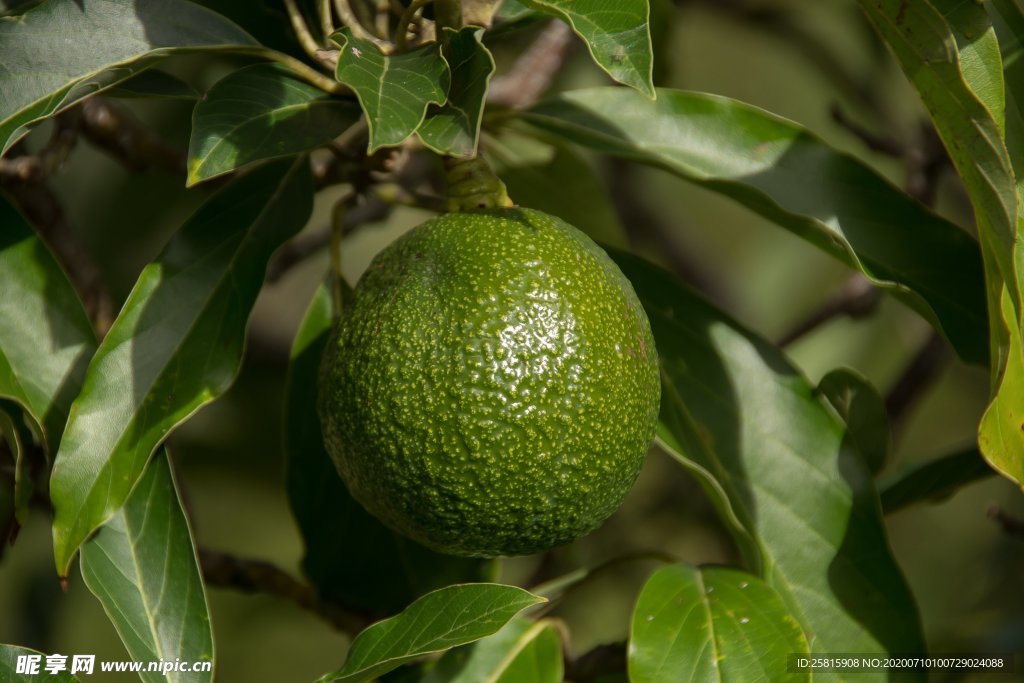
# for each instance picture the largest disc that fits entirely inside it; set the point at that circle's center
(926, 164)
(857, 299)
(873, 141)
(116, 130)
(255, 576)
(35, 168)
(532, 74)
(918, 376)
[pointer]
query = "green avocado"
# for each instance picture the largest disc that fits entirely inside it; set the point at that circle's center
(492, 385)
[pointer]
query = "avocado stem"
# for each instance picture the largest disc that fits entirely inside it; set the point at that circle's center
(473, 184)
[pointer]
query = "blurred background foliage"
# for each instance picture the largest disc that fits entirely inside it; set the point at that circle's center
(804, 61)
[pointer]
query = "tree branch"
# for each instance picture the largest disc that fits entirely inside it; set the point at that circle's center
(114, 129)
(532, 74)
(256, 576)
(1012, 526)
(922, 372)
(857, 299)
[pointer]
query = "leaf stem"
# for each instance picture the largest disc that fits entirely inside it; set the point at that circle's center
(448, 14)
(326, 18)
(402, 30)
(349, 18)
(306, 39)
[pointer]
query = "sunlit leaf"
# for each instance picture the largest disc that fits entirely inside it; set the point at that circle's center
(175, 346)
(350, 556)
(454, 128)
(446, 618)
(778, 169)
(261, 112)
(616, 33)
(142, 566)
(777, 463)
(394, 90)
(46, 340)
(61, 51)
(712, 624)
(522, 652)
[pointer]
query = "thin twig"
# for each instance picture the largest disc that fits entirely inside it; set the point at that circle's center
(873, 141)
(404, 22)
(857, 299)
(302, 32)
(33, 168)
(348, 18)
(256, 576)
(926, 164)
(923, 370)
(533, 72)
(326, 18)
(115, 130)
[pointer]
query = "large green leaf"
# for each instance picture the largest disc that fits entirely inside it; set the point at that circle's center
(446, 618)
(454, 129)
(616, 32)
(350, 556)
(949, 51)
(9, 673)
(394, 90)
(712, 624)
(46, 340)
(261, 112)
(790, 177)
(142, 566)
(175, 346)
(60, 51)
(523, 651)
(780, 465)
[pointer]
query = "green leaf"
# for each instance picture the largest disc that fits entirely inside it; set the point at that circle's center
(454, 129)
(711, 624)
(22, 483)
(46, 340)
(777, 462)
(617, 34)
(862, 408)
(154, 83)
(350, 556)
(1008, 20)
(142, 566)
(523, 651)
(446, 618)
(9, 655)
(935, 481)
(175, 346)
(779, 170)
(949, 51)
(101, 42)
(394, 90)
(261, 112)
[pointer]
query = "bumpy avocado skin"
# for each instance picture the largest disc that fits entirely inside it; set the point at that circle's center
(492, 386)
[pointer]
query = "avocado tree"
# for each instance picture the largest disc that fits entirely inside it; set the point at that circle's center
(190, 191)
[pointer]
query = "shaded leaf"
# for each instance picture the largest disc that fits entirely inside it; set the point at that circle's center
(617, 34)
(523, 651)
(712, 624)
(949, 51)
(454, 129)
(46, 340)
(862, 408)
(1008, 21)
(261, 112)
(394, 90)
(156, 84)
(935, 481)
(21, 485)
(142, 566)
(9, 666)
(790, 177)
(350, 556)
(448, 617)
(175, 346)
(102, 42)
(780, 467)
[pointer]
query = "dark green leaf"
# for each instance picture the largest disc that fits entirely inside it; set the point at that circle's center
(454, 129)
(948, 50)
(350, 556)
(61, 51)
(175, 346)
(46, 340)
(448, 617)
(523, 651)
(22, 485)
(581, 200)
(142, 566)
(863, 410)
(154, 83)
(935, 481)
(711, 624)
(261, 112)
(1008, 20)
(9, 667)
(778, 464)
(616, 33)
(792, 178)
(394, 90)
